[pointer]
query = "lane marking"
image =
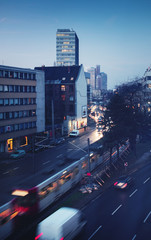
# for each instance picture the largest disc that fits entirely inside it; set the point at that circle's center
(147, 217)
(134, 237)
(46, 162)
(133, 193)
(16, 168)
(6, 172)
(146, 180)
(95, 232)
(116, 210)
(59, 155)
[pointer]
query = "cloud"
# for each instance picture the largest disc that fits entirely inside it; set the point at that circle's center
(3, 19)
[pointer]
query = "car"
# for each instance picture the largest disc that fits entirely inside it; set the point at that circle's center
(123, 182)
(74, 133)
(17, 154)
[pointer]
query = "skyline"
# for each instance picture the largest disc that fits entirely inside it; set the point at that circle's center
(115, 35)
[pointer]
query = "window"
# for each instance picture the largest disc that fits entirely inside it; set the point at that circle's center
(6, 101)
(21, 75)
(15, 74)
(1, 116)
(11, 74)
(10, 114)
(72, 78)
(1, 102)
(11, 88)
(16, 114)
(16, 127)
(24, 101)
(1, 88)
(5, 88)
(16, 101)
(21, 88)
(6, 73)
(16, 88)
(26, 125)
(20, 114)
(33, 124)
(21, 126)
(1, 73)
(11, 101)
(63, 88)
(63, 97)
(71, 98)
(21, 101)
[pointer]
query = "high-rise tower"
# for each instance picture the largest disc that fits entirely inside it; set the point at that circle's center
(67, 48)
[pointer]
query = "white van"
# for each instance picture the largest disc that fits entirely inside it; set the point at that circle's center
(74, 133)
(66, 223)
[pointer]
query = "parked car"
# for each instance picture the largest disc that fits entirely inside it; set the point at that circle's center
(123, 182)
(74, 133)
(18, 154)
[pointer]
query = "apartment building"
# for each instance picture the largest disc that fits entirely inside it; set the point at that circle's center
(22, 101)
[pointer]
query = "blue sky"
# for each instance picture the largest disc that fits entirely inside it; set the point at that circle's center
(113, 34)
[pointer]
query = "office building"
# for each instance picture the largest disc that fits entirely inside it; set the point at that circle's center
(22, 111)
(67, 48)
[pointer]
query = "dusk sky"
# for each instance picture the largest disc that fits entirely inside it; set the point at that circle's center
(113, 34)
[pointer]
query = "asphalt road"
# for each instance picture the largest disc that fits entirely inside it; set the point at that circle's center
(122, 215)
(119, 214)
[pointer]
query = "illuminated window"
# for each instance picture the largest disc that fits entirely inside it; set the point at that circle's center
(149, 85)
(66, 42)
(72, 78)
(63, 88)
(63, 97)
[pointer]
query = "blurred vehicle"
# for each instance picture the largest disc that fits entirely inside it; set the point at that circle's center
(74, 133)
(123, 182)
(18, 154)
(65, 223)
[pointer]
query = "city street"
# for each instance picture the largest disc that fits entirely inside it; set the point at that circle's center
(36, 167)
(118, 214)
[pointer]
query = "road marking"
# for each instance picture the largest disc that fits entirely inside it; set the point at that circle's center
(46, 162)
(59, 155)
(133, 193)
(116, 209)
(146, 180)
(6, 172)
(134, 237)
(147, 217)
(16, 168)
(94, 232)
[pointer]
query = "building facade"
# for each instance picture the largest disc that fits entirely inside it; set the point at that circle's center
(21, 106)
(67, 48)
(65, 97)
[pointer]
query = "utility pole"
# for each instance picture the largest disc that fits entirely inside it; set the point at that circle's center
(53, 131)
